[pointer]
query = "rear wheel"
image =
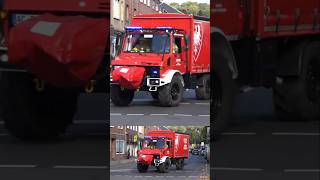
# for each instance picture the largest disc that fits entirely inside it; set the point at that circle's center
(180, 164)
(203, 87)
(155, 95)
(119, 96)
(29, 114)
(299, 98)
(171, 94)
(142, 168)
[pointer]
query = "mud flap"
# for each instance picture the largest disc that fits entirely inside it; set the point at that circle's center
(129, 77)
(61, 50)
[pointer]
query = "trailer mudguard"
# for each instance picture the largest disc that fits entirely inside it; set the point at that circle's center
(219, 40)
(61, 50)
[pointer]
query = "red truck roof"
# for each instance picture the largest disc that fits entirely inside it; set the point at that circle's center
(266, 19)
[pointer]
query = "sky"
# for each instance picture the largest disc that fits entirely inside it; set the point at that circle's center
(182, 1)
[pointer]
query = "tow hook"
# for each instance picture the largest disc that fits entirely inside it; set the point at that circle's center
(153, 88)
(39, 84)
(89, 88)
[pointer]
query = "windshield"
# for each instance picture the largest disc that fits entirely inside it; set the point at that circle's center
(153, 143)
(147, 42)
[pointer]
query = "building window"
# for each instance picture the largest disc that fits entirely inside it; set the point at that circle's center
(145, 1)
(157, 8)
(116, 9)
(141, 1)
(127, 13)
(148, 3)
(120, 146)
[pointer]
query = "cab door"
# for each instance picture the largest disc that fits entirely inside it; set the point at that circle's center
(179, 52)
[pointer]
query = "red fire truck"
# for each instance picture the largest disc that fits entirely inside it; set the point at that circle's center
(162, 54)
(162, 148)
(274, 44)
(50, 51)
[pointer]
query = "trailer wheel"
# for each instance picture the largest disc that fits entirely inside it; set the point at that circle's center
(299, 98)
(29, 114)
(223, 94)
(171, 94)
(142, 168)
(121, 97)
(164, 167)
(203, 87)
(180, 164)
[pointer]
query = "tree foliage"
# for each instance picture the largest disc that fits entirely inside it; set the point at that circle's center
(198, 9)
(197, 134)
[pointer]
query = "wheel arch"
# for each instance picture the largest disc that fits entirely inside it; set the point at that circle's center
(219, 43)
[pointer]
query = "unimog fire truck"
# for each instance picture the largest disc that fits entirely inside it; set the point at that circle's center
(50, 51)
(162, 148)
(162, 54)
(269, 43)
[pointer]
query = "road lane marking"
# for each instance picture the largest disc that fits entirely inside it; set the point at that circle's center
(185, 115)
(159, 114)
(17, 166)
(236, 169)
(4, 134)
(204, 115)
(294, 134)
(79, 167)
(185, 103)
(115, 114)
(302, 170)
(135, 114)
(240, 134)
(202, 103)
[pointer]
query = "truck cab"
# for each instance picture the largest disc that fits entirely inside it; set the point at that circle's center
(162, 54)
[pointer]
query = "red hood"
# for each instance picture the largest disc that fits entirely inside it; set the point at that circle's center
(136, 59)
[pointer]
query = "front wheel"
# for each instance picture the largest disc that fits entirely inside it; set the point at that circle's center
(164, 167)
(142, 168)
(171, 94)
(29, 114)
(119, 96)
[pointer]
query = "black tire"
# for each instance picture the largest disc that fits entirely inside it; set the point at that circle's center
(29, 114)
(203, 87)
(170, 95)
(142, 168)
(155, 95)
(121, 97)
(298, 99)
(164, 167)
(223, 94)
(180, 164)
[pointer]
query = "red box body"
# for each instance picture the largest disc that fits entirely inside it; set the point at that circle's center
(266, 18)
(199, 32)
(180, 141)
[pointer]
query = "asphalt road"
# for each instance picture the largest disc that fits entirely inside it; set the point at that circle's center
(145, 111)
(257, 146)
(195, 168)
(80, 154)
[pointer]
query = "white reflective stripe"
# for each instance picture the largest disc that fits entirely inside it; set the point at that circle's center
(45, 28)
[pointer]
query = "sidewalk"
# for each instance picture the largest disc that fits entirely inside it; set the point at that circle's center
(122, 161)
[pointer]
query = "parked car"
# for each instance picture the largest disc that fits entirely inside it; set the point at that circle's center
(195, 152)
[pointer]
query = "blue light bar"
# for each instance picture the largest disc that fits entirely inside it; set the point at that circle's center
(133, 28)
(165, 28)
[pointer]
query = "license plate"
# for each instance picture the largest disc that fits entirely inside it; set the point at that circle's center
(19, 18)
